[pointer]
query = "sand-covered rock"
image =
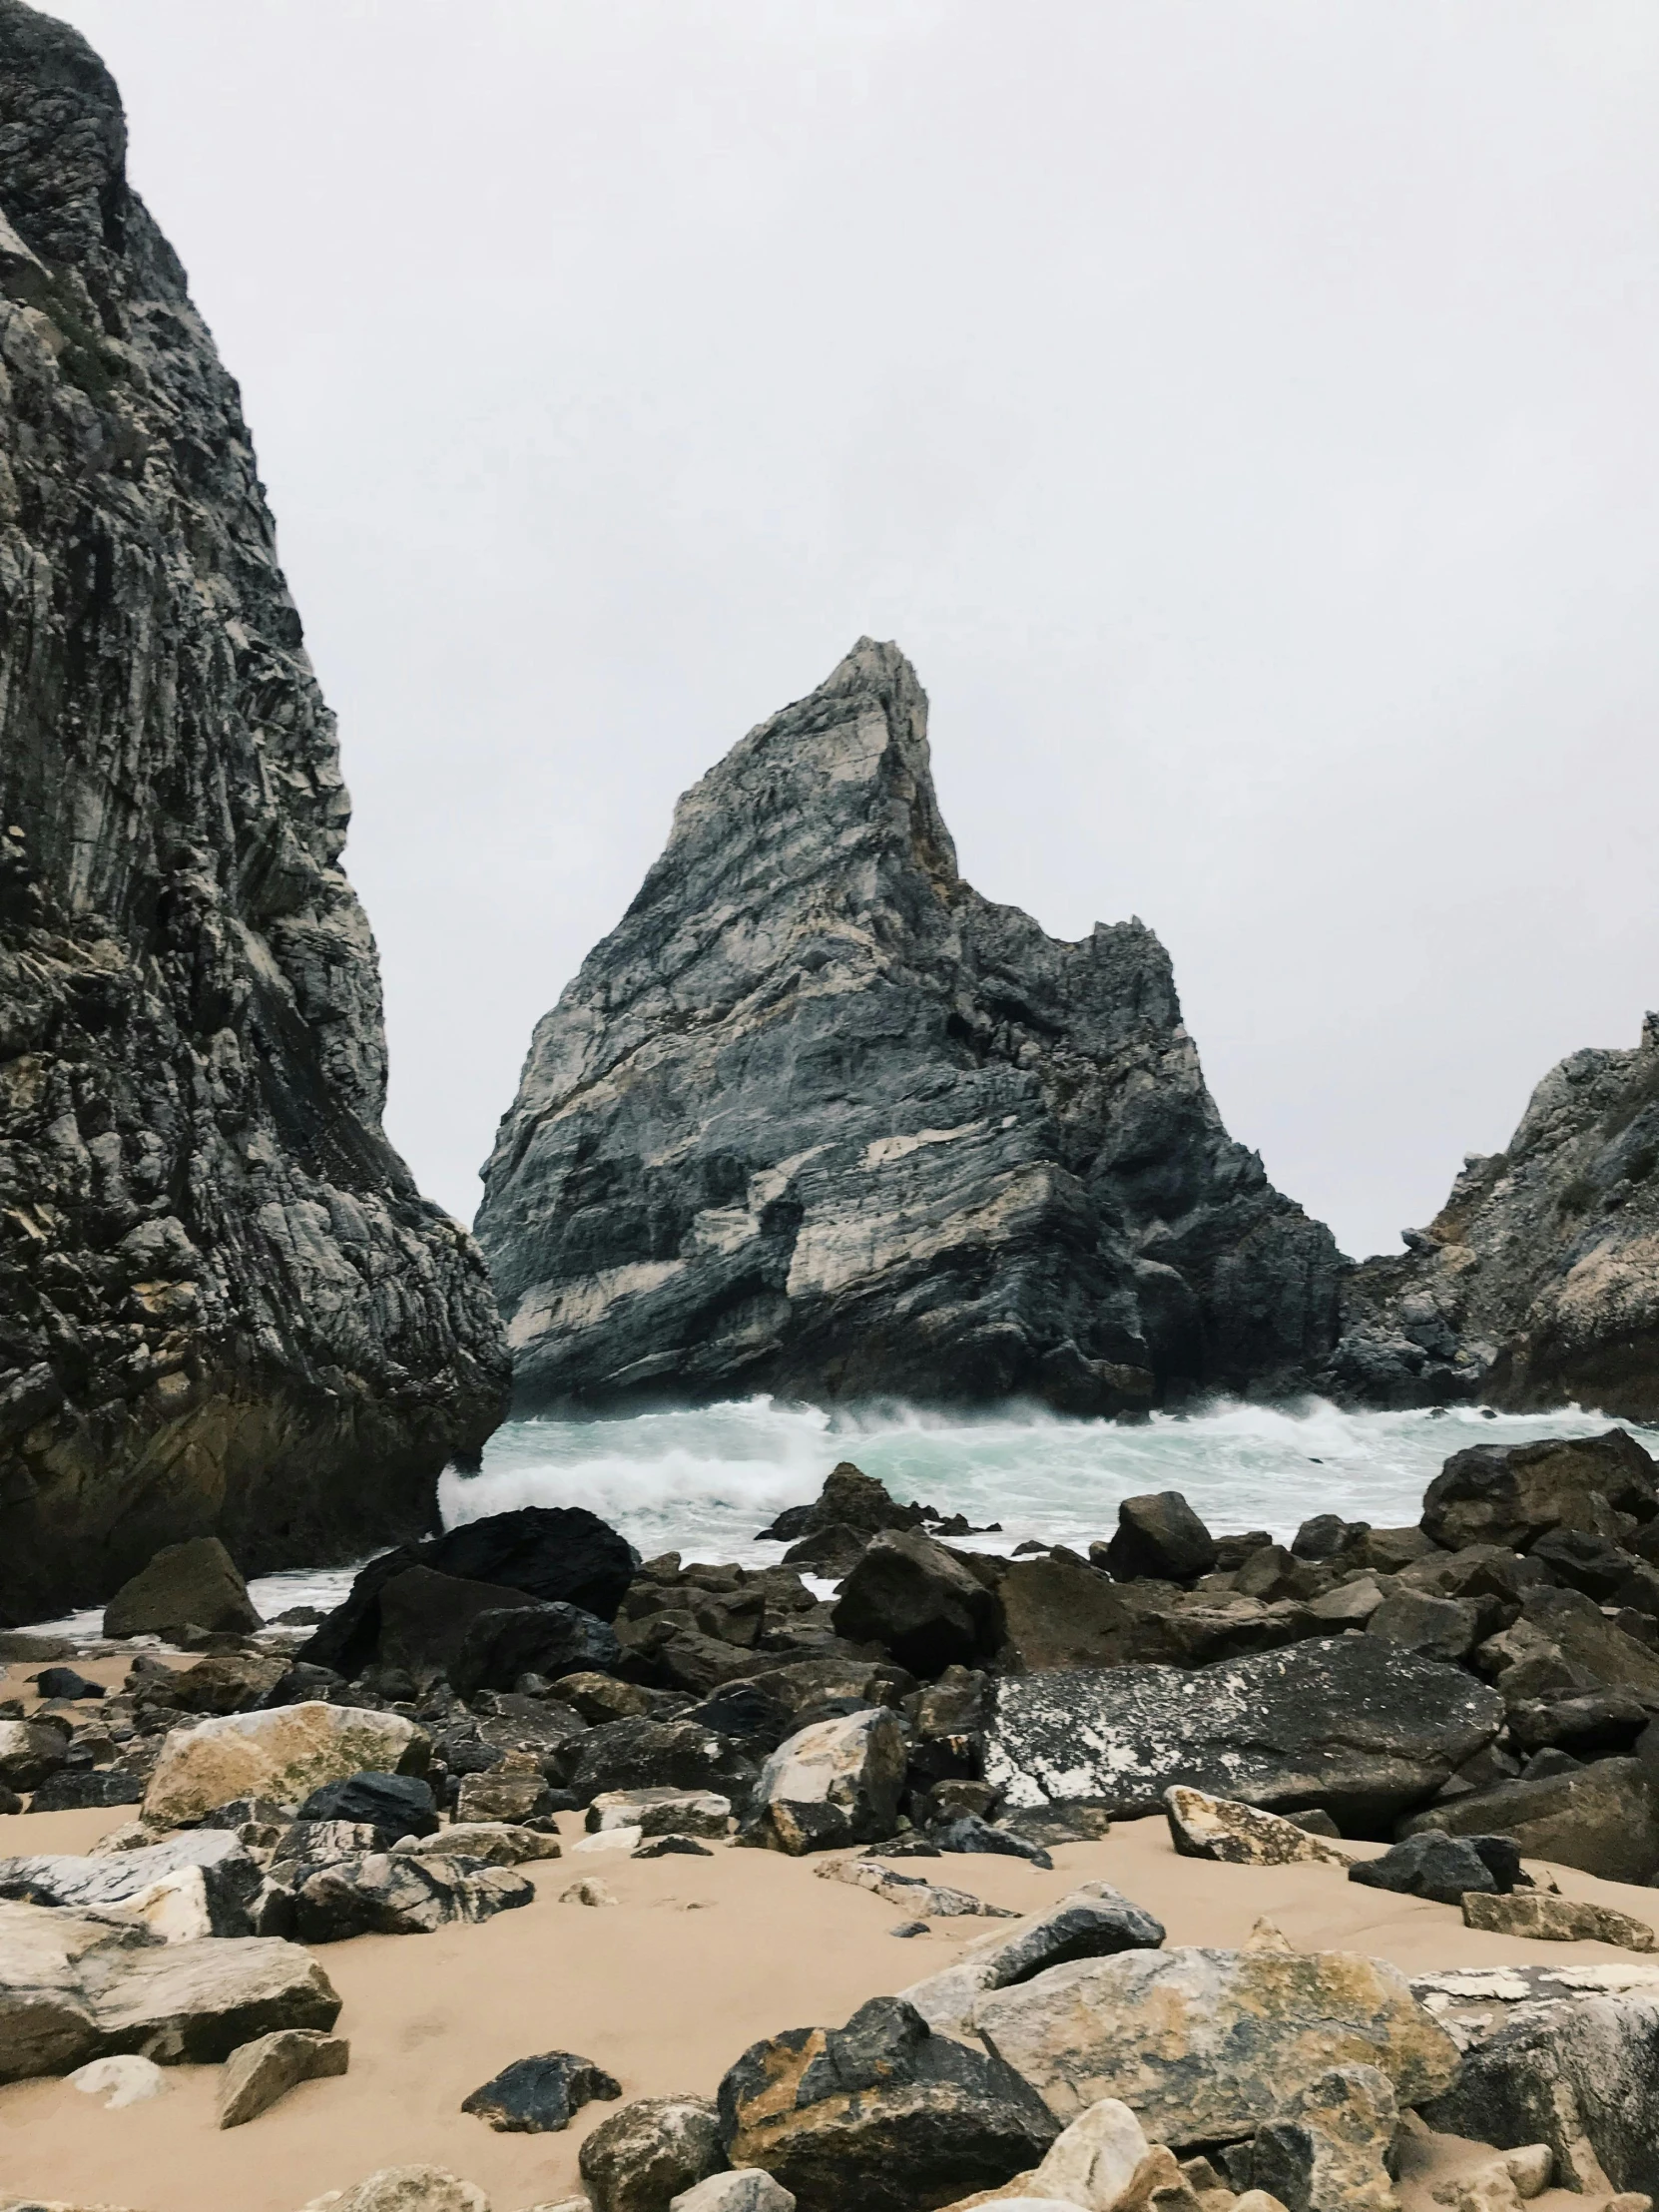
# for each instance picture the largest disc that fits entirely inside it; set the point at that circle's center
(1204, 2045)
(398, 1894)
(282, 1754)
(540, 2095)
(1541, 1918)
(881, 2116)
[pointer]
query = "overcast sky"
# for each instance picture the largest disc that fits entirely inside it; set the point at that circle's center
(1243, 413)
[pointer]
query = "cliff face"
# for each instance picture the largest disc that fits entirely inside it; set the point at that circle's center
(224, 1307)
(816, 1117)
(1538, 1281)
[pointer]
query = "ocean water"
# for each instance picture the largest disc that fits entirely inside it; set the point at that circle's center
(703, 1481)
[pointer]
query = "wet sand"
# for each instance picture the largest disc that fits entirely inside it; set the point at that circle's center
(699, 1958)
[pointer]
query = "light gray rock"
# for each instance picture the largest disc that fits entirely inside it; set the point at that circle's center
(1203, 1826)
(229, 1879)
(397, 1893)
(749, 2189)
(648, 2153)
(818, 1117)
(1206, 2045)
(1537, 1283)
(406, 2190)
(918, 1897)
(275, 1340)
(258, 2074)
(833, 1782)
(120, 2081)
(281, 1755)
(1094, 1922)
(1351, 1724)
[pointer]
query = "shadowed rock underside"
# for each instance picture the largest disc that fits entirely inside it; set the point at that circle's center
(816, 1117)
(224, 1306)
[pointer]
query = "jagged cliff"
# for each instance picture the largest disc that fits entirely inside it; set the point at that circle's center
(816, 1117)
(224, 1306)
(1538, 1281)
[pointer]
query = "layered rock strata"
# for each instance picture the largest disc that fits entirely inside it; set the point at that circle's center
(224, 1306)
(1538, 1283)
(818, 1117)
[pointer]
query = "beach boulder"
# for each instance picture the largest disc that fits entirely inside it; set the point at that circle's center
(914, 1599)
(283, 1754)
(1537, 1914)
(1060, 1613)
(1512, 1493)
(220, 1884)
(1205, 2045)
(651, 2152)
(1094, 1922)
(540, 2095)
(834, 1783)
(407, 2189)
(400, 1893)
(1350, 1723)
(260, 2073)
(1602, 1818)
(1329, 2146)
(644, 1754)
(30, 1751)
(424, 1617)
(549, 1640)
(1442, 1866)
(396, 1804)
(1203, 1827)
(880, 2115)
(1159, 1535)
(189, 1586)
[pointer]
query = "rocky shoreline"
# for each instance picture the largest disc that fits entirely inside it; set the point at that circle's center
(1453, 1723)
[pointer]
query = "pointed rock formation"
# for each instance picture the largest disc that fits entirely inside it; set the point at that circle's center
(224, 1306)
(816, 1117)
(1538, 1281)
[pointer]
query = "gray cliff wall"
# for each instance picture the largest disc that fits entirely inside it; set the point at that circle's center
(818, 1118)
(224, 1306)
(1538, 1281)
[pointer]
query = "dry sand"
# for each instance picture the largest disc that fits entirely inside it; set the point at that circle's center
(699, 1958)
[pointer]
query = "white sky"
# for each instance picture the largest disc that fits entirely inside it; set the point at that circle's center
(1243, 413)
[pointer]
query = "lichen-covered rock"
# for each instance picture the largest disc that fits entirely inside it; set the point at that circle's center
(1205, 2045)
(1328, 2147)
(1203, 1827)
(836, 1782)
(880, 2115)
(228, 1309)
(1346, 1723)
(283, 1754)
(816, 1116)
(1555, 1920)
(1538, 1283)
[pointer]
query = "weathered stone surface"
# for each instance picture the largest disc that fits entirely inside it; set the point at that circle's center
(258, 2074)
(29, 1752)
(283, 1754)
(1536, 1285)
(229, 1879)
(912, 1893)
(749, 2190)
(224, 1682)
(559, 1554)
(549, 1640)
(1160, 1535)
(425, 1615)
(512, 1791)
(1056, 1613)
(662, 1812)
(491, 1843)
(1205, 2045)
(194, 1584)
(673, 1754)
(1569, 1629)
(1442, 1868)
(1603, 1819)
(649, 2152)
(1349, 1723)
(1578, 2074)
(228, 1310)
(1514, 1493)
(1556, 1920)
(1326, 2148)
(849, 1499)
(407, 2189)
(817, 1117)
(401, 1894)
(837, 1782)
(1094, 1922)
(540, 2095)
(909, 1594)
(1434, 1627)
(881, 2114)
(1597, 1722)
(1237, 1835)
(398, 1804)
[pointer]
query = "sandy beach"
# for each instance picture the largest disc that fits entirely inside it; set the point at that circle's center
(698, 1958)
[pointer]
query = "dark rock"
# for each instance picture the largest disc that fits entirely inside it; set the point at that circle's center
(1515, 1493)
(538, 2096)
(401, 1894)
(1606, 1721)
(1578, 2074)
(66, 1683)
(561, 1554)
(674, 1754)
(1096, 1922)
(1603, 1820)
(396, 1804)
(1443, 1867)
(917, 1599)
(425, 1616)
(829, 1552)
(850, 1498)
(227, 1682)
(1476, 1571)
(1048, 1825)
(833, 1782)
(670, 1847)
(1543, 1764)
(29, 1752)
(1327, 1535)
(1584, 1561)
(1159, 1535)
(550, 1640)
(303, 1683)
(1351, 1724)
(1433, 1627)
(865, 1041)
(193, 1582)
(1331, 2146)
(966, 1834)
(649, 2152)
(881, 2114)
(85, 1789)
(1232, 1551)
(274, 1339)
(1570, 1629)
(1056, 1614)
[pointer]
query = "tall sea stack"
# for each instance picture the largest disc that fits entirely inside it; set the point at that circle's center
(818, 1118)
(224, 1306)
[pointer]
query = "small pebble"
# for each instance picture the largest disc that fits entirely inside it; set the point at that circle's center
(587, 1892)
(909, 1928)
